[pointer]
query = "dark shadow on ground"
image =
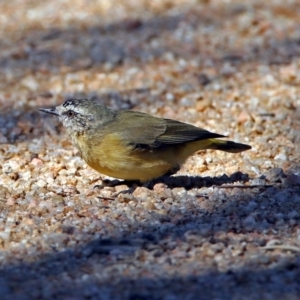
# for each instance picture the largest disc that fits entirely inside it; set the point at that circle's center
(115, 267)
(185, 181)
(275, 283)
(131, 41)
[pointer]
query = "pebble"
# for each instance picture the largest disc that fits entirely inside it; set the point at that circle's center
(275, 174)
(10, 201)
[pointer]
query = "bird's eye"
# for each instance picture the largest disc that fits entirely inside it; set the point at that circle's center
(70, 113)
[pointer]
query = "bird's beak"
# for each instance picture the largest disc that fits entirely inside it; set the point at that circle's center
(51, 111)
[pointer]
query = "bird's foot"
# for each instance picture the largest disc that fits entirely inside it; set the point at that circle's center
(129, 191)
(108, 183)
(132, 185)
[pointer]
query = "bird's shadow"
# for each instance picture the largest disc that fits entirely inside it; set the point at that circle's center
(183, 181)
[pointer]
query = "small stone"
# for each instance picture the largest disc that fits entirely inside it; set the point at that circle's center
(258, 181)
(125, 197)
(243, 117)
(162, 191)
(67, 229)
(37, 162)
(282, 196)
(57, 199)
(275, 175)
(10, 201)
(203, 104)
(294, 215)
(273, 242)
(32, 203)
(3, 139)
(249, 222)
(281, 156)
(291, 180)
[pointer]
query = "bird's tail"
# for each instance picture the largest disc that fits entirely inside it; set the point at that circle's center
(227, 146)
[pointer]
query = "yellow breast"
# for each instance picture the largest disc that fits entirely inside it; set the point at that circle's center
(113, 157)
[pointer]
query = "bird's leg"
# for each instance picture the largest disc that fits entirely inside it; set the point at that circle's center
(162, 179)
(132, 185)
(116, 182)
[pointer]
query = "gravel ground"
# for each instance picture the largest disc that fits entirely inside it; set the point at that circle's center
(226, 226)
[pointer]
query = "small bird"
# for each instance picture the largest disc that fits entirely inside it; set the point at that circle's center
(132, 145)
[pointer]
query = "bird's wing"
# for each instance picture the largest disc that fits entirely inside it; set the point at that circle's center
(144, 130)
(178, 132)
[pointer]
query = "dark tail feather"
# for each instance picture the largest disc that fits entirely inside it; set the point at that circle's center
(228, 146)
